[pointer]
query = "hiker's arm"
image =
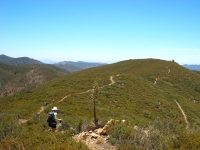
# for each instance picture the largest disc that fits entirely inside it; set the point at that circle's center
(56, 117)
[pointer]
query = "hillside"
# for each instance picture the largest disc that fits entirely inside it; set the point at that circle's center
(18, 61)
(159, 96)
(15, 79)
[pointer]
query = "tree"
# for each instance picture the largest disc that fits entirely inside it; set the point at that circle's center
(94, 98)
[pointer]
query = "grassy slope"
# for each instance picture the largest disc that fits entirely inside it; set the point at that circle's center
(134, 93)
(133, 97)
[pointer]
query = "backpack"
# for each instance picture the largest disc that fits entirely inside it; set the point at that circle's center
(51, 117)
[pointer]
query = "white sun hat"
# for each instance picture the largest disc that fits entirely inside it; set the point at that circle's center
(55, 108)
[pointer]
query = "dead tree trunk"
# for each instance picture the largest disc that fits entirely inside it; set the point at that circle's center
(94, 98)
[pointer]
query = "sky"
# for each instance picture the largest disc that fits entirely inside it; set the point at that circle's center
(101, 30)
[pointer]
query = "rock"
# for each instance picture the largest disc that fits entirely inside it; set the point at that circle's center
(146, 132)
(136, 128)
(97, 131)
(103, 131)
(94, 135)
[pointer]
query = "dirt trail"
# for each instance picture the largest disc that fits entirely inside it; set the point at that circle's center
(112, 81)
(85, 91)
(64, 98)
(184, 115)
(41, 110)
(22, 121)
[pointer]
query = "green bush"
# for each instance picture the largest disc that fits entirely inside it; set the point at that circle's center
(188, 140)
(160, 134)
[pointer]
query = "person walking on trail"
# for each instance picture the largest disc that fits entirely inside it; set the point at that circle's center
(52, 117)
(45, 103)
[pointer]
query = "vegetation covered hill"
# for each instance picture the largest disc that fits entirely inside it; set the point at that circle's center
(18, 61)
(15, 79)
(159, 96)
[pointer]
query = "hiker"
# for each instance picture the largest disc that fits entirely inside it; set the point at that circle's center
(52, 117)
(45, 103)
(53, 101)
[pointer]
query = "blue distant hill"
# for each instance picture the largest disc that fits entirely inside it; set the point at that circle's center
(70, 66)
(76, 66)
(192, 67)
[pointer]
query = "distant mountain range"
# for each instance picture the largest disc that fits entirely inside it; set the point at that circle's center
(77, 66)
(23, 73)
(68, 66)
(192, 67)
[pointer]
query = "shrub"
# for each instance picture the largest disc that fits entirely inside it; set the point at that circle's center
(160, 134)
(188, 140)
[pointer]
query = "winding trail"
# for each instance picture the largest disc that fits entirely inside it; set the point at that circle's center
(22, 121)
(184, 115)
(42, 108)
(112, 81)
(64, 98)
(182, 111)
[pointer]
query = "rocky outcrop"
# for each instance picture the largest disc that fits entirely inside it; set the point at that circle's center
(94, 141)
(97, 137)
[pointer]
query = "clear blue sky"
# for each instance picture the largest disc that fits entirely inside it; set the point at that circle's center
(101, 30)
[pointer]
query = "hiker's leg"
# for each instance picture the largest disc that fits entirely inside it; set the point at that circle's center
(53, 127)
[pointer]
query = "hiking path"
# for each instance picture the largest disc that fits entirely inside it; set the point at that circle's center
(184, 115)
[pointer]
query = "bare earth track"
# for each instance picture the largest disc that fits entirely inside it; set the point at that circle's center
(184, 115)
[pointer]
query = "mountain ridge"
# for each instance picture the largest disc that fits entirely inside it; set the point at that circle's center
(18, 61)
(66, 65)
